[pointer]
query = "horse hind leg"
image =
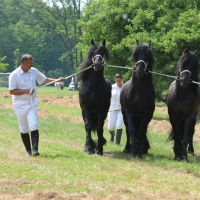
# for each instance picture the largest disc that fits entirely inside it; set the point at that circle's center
(128, 145)
(191, 134)
(185, 138)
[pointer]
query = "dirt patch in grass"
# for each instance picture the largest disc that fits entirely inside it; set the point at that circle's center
(161, 109)
(162, 126)
(67, 100)
(6, 105)
(5, 95)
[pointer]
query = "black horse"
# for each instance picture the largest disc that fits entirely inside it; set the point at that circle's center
(183, 104)
(94, 96)
(138, 101)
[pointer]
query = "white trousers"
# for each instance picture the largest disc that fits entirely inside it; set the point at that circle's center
(115, 120)
(27, 118)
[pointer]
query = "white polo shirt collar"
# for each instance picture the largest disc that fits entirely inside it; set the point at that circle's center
(21, 71)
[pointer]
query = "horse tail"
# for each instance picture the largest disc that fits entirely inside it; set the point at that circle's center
(94, 121)
(171, 136)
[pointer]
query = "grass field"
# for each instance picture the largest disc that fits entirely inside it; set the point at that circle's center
(63, 171)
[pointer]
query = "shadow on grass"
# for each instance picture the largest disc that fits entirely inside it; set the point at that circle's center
(147, 158)
(55, 156)
(151, 158)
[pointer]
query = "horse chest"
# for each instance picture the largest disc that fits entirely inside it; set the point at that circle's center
(94, 97)
(138, 102)
(183, 106)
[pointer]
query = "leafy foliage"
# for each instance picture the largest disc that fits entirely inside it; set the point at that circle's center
(170, 25)
(3, 65)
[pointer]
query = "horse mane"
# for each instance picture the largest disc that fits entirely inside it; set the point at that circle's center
(88, 60)
(143, 49)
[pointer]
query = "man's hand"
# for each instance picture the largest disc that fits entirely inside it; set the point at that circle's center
(48, 80)
(61, 79)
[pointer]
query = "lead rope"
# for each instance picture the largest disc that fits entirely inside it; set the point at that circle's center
(66, 77)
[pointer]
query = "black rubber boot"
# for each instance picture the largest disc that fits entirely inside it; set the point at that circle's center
(118, 136)
(35, 141)
(112, 133)
(26, 140)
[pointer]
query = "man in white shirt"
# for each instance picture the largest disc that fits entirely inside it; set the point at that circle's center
(22, 86)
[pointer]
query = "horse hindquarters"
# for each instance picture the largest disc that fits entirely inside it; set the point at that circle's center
(91, 120)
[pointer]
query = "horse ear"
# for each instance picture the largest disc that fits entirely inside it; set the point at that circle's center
(149, 43)
(92, 42)
(137, 42)
(185, 50)
(104, 42)
(195, 53)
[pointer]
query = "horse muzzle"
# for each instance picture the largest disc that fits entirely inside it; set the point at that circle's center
(97, 67)
(184, 82)
(139, 71)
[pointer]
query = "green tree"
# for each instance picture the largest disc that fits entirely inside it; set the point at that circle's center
(61, 16)
(3, 66)
(169, 24)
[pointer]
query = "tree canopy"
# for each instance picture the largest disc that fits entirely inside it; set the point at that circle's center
(170, 25)
(57, 34)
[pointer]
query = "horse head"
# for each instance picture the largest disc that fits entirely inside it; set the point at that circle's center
(142, 57)
(98, 55)
(187, 67)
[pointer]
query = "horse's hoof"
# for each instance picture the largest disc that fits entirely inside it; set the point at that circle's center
(126, 151)
(144, 152)
(135, 155)
(89, 152)
(191, 152)
(181, 158)
(184, 158)
(99, 153)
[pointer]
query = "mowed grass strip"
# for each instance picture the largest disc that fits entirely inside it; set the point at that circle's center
(64, 167)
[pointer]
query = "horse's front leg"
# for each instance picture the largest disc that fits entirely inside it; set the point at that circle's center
(185, 138)
(134, 149)
(176, 134)
(142, 136)
(90, 144)
(101, 140)
(128, 145)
